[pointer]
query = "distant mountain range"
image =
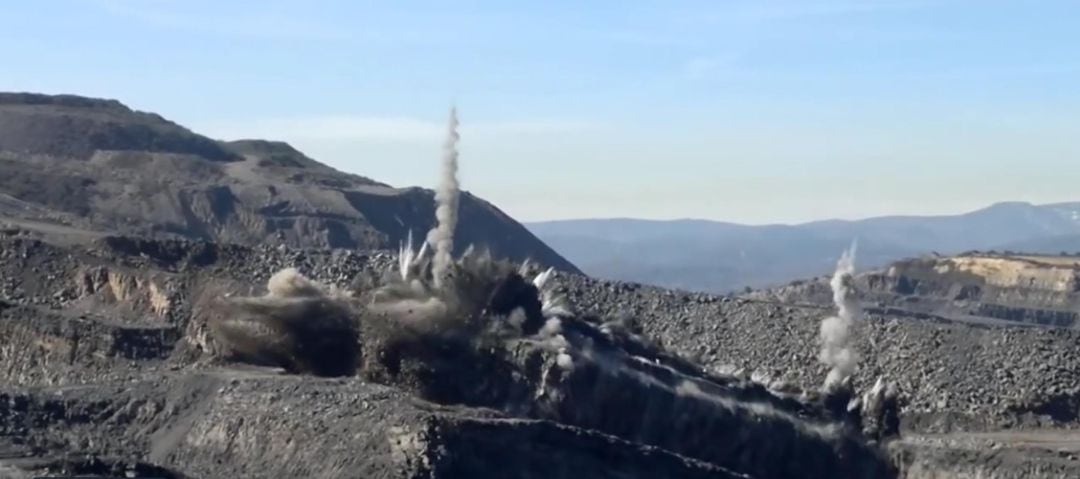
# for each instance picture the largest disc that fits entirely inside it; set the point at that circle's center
(716, 256)
(92, 166)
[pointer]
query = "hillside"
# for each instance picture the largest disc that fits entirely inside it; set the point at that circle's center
(719, 257)
(99, 167)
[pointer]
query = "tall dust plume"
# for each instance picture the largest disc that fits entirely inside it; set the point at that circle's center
(446, 198)
(836, 349)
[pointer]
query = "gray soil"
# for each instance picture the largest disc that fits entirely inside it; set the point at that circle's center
(104, 368)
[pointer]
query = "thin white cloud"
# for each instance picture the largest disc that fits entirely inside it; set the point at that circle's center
(381, 129)
(341, 127)
(259, 24)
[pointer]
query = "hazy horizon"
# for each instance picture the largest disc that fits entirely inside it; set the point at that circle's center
(796, 223)
(747, 112)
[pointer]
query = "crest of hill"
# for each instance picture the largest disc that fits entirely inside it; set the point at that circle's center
(97, 165)
(75, 127)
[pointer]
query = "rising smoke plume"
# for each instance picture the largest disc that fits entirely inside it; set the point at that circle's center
(446, 199)
(836, 350)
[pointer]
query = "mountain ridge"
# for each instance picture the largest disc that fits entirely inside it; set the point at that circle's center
(98, 165)
(721, 256)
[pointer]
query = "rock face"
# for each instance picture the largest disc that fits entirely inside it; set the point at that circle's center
(953, 375)
(98, 166)
(735, 424)
(101, 378)
(228, 423)
(69, 333)
(981, 287)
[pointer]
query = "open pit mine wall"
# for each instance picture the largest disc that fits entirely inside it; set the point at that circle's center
(100, 356)
(1024, 290)
(1018, 289)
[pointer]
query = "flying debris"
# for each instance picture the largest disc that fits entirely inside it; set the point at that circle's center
(553, 304)
(410, 259)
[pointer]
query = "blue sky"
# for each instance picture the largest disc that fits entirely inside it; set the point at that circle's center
(751, 111)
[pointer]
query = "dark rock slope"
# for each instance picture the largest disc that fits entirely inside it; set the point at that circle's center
(231, 423)
(97, 165)
(105, 366)
(954, 375)
(78, 323)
